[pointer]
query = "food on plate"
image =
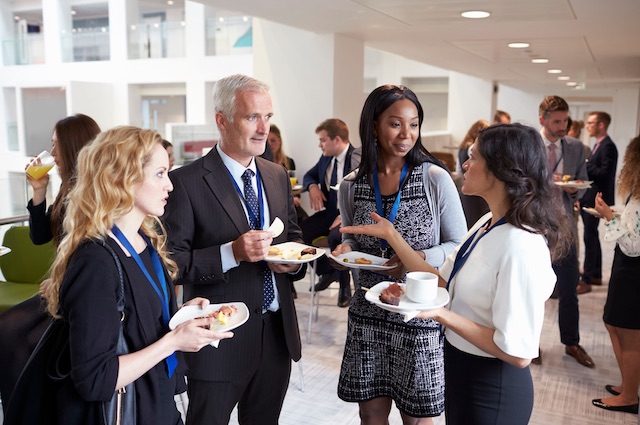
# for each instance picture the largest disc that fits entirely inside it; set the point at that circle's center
(391, 294)
(566, 178)
(274, 250)
(578, 181)
(223, 314)
(362, 261)
(311, 251)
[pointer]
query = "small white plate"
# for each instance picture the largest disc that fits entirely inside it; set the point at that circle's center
(189, 312)
(616, 211)
(406, 305)
(4, 250)
(297, 187)
(291, 252)
(376, 262)
(578, 184)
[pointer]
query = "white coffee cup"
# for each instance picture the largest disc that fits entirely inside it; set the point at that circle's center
(421, 287)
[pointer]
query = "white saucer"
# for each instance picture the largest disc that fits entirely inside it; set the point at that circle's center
(406, 305)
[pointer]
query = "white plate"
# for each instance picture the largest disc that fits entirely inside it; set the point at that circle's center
(4, 250)
(297, 187)
(376, 262)
(291, 252)
(189, 312)
(406, 305)
(578, 184)
(616, 211)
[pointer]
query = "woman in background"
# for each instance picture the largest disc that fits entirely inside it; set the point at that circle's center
(22, 326)
(169, 148)
(474, 206)
(621, 312)
(385, 358)
(122, 188)
(498, 279)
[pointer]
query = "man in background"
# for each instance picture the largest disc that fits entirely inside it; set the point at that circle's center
(601, 169)
(337, 160)
(501, 117)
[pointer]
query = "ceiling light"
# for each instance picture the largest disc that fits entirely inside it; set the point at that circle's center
(170, 2)
(73, 12)
(518, 45)
(564, 78)
(475, 14)
(554, 71)
(245, 19)
(572, 83)
(17, 18)
(540, 60)
(221, 19)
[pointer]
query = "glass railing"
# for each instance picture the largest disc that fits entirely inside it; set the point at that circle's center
(87, 45)
(27, 50)
(157, 40)
(231, 36)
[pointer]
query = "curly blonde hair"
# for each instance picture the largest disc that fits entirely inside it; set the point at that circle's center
(108, 171)
(629, 180)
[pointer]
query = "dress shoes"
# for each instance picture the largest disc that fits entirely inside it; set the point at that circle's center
(581, 356)
(344, 298)
(630, 408)
(595, 281)
(610, 390)
(583, 287)
(326, 280)
(537, 360)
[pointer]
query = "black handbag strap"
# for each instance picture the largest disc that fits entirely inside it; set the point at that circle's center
(106, 245)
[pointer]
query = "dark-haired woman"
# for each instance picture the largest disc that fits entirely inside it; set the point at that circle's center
(498, 279)
(22, 326)
(387, 359)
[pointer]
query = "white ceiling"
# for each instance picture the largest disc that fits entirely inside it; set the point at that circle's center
(595, 42)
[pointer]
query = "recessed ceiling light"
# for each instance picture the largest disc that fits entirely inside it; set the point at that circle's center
(245, 19)
(73, 12)
(475, 14)
(572, 83)
(518, 45)
(554, 71)
(540, 60)
(170, 2)
(17, 18)
(564, 78)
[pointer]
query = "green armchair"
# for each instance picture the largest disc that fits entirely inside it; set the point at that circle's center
(24, 268)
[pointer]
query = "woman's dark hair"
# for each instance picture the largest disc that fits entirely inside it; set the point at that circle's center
(515, 154)
(73, 133)
(378, 101)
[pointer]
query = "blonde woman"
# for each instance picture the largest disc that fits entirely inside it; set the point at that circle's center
(122, 186)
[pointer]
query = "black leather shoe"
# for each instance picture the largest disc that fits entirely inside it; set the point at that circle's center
(630, 408)
(344, 298)
(610, 390)
(537, 360)
(325, 281)
(581, 356)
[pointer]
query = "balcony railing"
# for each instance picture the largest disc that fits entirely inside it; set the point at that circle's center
(26, 50)
(157, 40)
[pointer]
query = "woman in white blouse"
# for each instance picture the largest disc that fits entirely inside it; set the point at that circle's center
(495, 316)
(621, 311)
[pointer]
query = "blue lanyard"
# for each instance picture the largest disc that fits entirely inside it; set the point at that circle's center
(396, 204)
(465, 250)
(157, 266)
(252, 216)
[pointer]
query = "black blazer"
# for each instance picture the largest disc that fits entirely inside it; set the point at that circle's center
(316, 175)
(203, 213)
(601, 168)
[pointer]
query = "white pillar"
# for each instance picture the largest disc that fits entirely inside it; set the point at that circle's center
(57, 23)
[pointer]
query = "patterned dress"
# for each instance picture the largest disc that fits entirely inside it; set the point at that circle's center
(383, 355)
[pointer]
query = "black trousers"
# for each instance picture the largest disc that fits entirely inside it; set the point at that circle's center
(568, 276)
(592, 265)
(259, 393)
(485, 391)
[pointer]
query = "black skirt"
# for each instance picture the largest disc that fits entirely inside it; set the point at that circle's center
(622, 308)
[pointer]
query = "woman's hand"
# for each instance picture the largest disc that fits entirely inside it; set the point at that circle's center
(202, 302)
(194, 334)
(39, 186)
(343, 248)
(602, 208)
(382, 229)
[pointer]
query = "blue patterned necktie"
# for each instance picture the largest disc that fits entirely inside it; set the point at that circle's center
(253, 206)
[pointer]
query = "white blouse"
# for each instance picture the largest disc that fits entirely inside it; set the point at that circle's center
(503, 285)
(625, 229)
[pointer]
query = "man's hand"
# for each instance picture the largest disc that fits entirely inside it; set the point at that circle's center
(316, 197)
(252, 246)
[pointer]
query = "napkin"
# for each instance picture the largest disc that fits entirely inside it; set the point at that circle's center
(215, 343)
(408, 315)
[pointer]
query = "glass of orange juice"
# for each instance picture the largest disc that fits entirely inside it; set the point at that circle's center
(41, 165)
(292, 177)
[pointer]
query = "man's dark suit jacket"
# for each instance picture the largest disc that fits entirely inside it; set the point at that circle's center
(601, 168)
(316, 175)
(205, 212)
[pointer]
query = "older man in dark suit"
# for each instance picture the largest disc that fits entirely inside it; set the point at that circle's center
(215, 219)
(566, 157)
(601, 168)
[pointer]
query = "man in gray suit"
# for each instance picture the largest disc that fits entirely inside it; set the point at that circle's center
(215, 219)
(566, 157)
